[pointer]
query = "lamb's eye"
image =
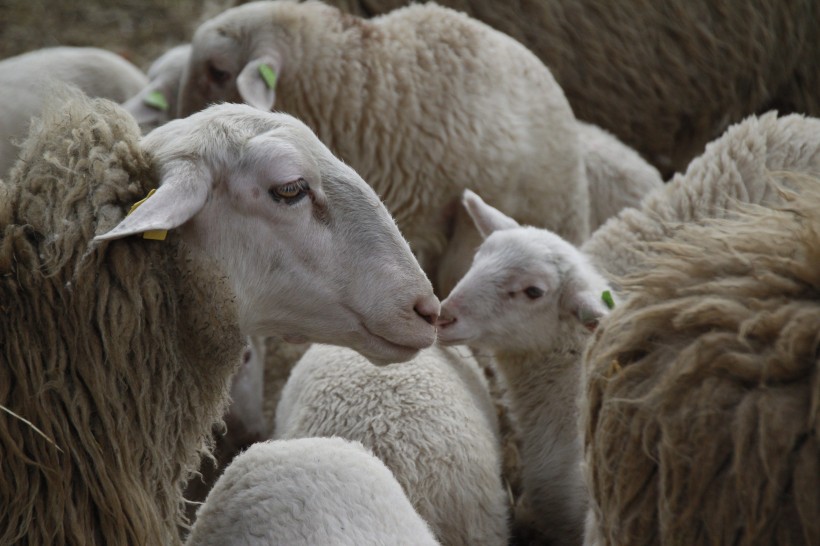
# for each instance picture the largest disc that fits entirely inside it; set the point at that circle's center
(217, 75)
(291, 192)
(533, 292)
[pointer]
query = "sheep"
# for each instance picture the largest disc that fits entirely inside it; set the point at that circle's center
(665, 77)
(532, 298)
(424, 102)
(119, 352)
(306, 492)
(618, 177)
(431, 421)
(26, 83)
(156, 103)
(702, 425)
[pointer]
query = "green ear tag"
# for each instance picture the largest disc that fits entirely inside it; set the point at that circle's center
(607, 297)
(268, 75)
(155, 99)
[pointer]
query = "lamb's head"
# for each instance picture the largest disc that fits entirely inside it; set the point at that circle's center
(310, 250)
(158, 102)
(526, 288)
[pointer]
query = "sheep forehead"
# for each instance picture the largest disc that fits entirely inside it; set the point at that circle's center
(525, 250)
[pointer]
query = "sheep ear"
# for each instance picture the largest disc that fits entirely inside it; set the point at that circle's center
(588, 307)
(182, 193)
(257, 82)
(486, 218)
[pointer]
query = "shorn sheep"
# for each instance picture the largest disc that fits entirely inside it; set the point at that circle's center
(156, 103)
(532, 299)
(430, 420)
(423, 103)
(119, 352)
(703, 413)
(665, 77)
(308, 492)
(27, 81)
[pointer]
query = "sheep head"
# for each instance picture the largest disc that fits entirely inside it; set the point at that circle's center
(526, 289)
(311, 251)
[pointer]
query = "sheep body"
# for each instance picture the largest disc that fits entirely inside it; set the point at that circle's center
(703, 388)
(25, 84)
(452, 103)
(305, 492)
(665, 77)
(618, 177)
(431, 421)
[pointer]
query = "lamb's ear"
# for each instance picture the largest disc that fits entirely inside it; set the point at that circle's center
(257, 82)
(182, 193)
(588, 307)
(486, 218)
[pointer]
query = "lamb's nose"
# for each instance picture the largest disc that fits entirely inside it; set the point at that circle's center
(428, 308)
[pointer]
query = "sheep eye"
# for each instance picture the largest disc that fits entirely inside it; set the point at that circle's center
(217, 75)
(291, 192)
(533, 292)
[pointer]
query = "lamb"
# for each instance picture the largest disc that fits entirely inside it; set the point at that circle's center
(156, 103)
(424, 102)
(431, 421)
(26, 82)
(119, 352)
(702, 419)
(306, 492)
(532, 299)
(665, 77)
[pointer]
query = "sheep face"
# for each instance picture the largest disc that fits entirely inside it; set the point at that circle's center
(312, 253)
(226, 58)
(527, 288)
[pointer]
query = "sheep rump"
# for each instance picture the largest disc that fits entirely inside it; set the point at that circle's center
(703, 389)
(102, 346)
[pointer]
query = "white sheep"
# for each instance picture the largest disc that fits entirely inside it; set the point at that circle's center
(308, 492)
(27, 80)
(423, 102)
(157, 103)
(532, 299)
(430, 420)
(136, 339)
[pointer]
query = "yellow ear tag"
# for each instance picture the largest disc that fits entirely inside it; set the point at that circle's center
(155, 234)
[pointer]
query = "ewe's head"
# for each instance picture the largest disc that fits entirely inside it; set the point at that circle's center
(526, 289)
(232, 52)
(311, 251)
(158, 102)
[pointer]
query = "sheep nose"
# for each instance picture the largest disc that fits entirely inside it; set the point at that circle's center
(428, 308)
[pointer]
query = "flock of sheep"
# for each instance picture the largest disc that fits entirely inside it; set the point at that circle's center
(521, 334)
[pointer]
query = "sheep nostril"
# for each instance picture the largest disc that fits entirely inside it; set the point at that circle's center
(428, 309)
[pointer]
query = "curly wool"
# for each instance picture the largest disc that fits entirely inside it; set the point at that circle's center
(703, 389)
(120, 353)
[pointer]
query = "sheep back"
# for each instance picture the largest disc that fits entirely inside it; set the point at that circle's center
(703, 389)
(119, 353)
(431, 421)
(739, 167)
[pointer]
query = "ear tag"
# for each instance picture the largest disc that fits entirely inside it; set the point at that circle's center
(156, 234)
(606, 296)
(155, 99)
(268, 75)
